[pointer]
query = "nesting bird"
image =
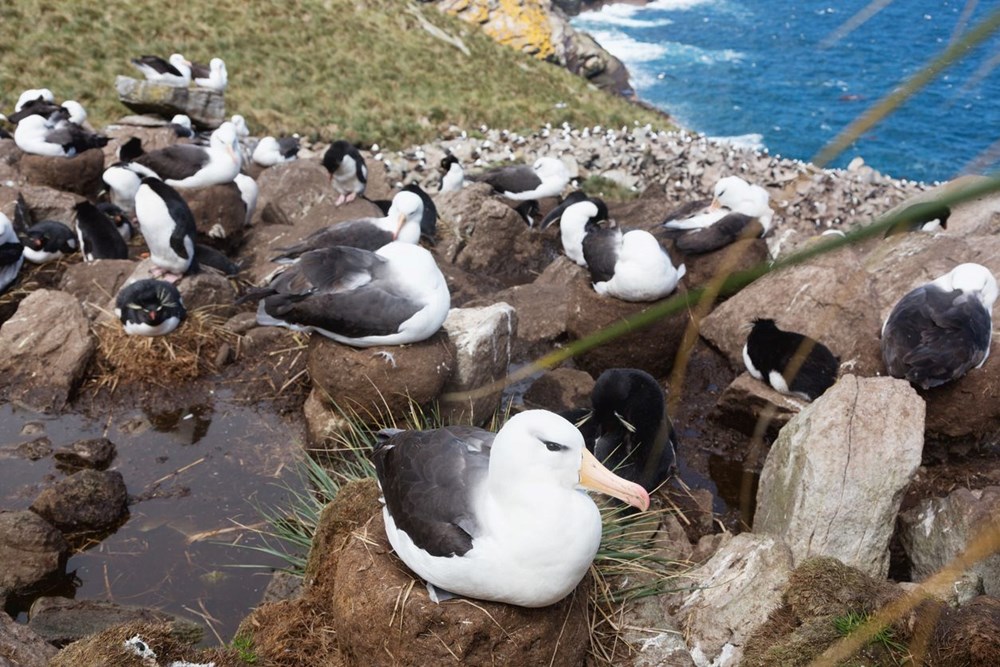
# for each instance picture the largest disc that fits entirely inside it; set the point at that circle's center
(168, 227)
(270, 151)
(55, 137)
(149, 308)
(737, 210)
(402, 223)
(192, 166)
(627, 427)
(175, 71)
(939, 331)
(499, 517)
(632, 266)
(47, 241)
(791, 363)
(573, 215)
(214, 76)
(393, 296)
(348, 172)
(547, 177)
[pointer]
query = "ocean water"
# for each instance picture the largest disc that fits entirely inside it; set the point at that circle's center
(789, 75)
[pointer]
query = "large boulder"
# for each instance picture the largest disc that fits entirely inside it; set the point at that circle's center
(44, 350)
(44, 202)
(747, 401)
(86, 501)
(206, 108)
(483, 235)
(483, 340)
(937, 530)
(559, 390)
(834, 479)
(32, 551)
(62, 620)
(21, 646)
(379, 384)
(651, 348)
(732, 595)
(219, 214)
(80, 174)
(95, 285)
(833, 302)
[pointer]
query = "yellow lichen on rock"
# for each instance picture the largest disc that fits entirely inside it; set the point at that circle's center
(522, 24)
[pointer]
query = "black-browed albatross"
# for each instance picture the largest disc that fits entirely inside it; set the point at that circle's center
(393, 296)
(941, 330)
(499, 517)
(192, 166)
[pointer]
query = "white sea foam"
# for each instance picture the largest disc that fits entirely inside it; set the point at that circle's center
(681, 5)
(625, 16)
(628, 49)
(753, 141)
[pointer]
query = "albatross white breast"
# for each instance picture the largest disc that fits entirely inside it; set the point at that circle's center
(736, 210)
(501, 518)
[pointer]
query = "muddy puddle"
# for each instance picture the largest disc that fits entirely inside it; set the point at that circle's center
(195, 475)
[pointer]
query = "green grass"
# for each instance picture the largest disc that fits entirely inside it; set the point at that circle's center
(359, 69)
(243, 645)
(886, 638)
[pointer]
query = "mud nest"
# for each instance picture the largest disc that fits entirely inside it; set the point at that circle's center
(187, 353)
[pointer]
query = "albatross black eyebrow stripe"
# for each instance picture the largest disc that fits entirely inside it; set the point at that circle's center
(554, 446)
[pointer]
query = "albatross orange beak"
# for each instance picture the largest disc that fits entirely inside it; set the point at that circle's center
(595, 477)
(399, 226)
(715, 205)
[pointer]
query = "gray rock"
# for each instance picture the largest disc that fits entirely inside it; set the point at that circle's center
(560, 390)
(88, 500)
(44, 203)
(96, 453)
(206, 289)
(324, 423)
(31, 550)
(939, 529)
(219, 214)
(21, 647)
(746, 401)
(33, 450)
(44, 350)
(206, 108)
(95, 285)
(733, 594)
(483, 340)
(834, 479)
(62, 620)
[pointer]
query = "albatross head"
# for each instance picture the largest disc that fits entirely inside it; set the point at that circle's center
(225, 137)
(729, 192)
(551, 168)
(538, 448)
(973, 279)
(407, 208)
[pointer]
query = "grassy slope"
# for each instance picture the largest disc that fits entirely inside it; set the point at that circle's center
(361, 69)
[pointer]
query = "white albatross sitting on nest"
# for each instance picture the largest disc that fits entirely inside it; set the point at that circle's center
(737, 210)
(191, 166)
(393, 296)
(499, 517)
(547, 177)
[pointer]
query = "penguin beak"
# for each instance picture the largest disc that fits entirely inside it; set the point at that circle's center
(399, 226)
(594, 476)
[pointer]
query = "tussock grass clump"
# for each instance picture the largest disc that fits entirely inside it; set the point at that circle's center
(368, 72)
(183, 355)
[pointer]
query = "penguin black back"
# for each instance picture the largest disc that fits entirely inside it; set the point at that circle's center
(772, 354)
(99, 238)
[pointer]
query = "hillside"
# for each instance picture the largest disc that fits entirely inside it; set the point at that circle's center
(366, 70)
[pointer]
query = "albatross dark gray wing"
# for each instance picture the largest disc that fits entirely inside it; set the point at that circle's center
(362, 233)
(175, 163)
(429, 480)
(687, 210)
(600, 251)
(519, 178)
(933, 336)
(719, 234)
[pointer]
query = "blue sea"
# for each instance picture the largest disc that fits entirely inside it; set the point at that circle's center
(789, 75)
